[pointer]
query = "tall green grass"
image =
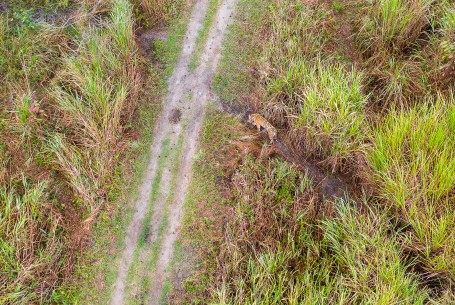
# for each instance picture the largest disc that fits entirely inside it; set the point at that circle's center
(319, 100)
(66, 104)
(95, 94)
(31, 246)
(407, 48)
(414, 163)
(31, 241)
(324, 108)
(394, 25)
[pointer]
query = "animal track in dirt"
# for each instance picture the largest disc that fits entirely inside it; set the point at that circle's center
(171, 176)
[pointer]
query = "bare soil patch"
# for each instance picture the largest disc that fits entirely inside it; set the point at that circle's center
(175, 116)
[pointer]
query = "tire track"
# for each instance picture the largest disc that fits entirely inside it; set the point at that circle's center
(189, 92)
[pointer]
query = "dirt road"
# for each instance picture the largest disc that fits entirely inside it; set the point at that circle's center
(143, 269)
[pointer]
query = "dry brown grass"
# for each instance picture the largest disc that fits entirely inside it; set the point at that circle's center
(69, 103)
(302, 81)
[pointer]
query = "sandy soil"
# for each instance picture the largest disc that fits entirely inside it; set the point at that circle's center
(189, 93)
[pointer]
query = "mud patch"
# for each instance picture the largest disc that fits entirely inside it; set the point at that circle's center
(175, 116)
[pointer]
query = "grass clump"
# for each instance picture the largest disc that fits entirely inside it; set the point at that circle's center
(407, 49)
(318, 101)
(394, 25)
(273, 254)
(414, 164)
(28, 52)
(160, 12)
(32, 246)
(323, 106)
(95, 93)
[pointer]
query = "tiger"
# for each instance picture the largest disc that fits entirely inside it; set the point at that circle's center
(259, 121)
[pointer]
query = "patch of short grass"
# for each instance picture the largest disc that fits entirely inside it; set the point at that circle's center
(233, 79)
(204, 212)
(137, 283)
(167, 52)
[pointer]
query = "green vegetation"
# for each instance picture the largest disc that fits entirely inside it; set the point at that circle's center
(69, 101)
(365, 89)
(408, 47)
(355, 260)
(155, 13)
(96, 89)
(413, 156)
(241, 47)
